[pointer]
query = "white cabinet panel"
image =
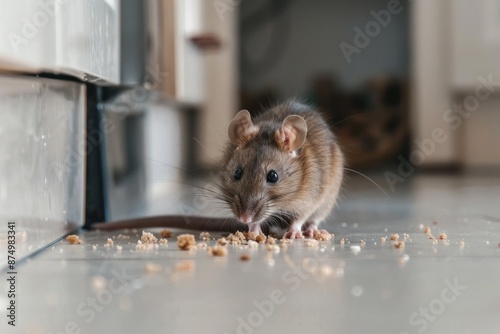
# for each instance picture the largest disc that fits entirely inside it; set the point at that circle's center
(78, 37)
(42, 157)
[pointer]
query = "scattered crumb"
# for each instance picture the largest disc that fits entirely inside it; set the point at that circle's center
(322, 236)
(421, 226)
(140, 246)
(217, 251)
(244, 257)
(121, 236)
(166, 233)
(222, 241)
(273, 248)
(261, 238)
(427, 230)
(202, 245)
(406, 236)
(163, 241)
(73, 239)
(187, 265)
(109, 242)
(271, 240)
(461, 244)
(312, 243)
(148, 238)
(98, 282)
(362, 243)
(152, 268)
(400, 244)
(394, 237)
(253, 244)
(233, 239)
(205, 236)
(443, 236)
(382, 240)
(342, 242)
(119, 248)
(240, 235)
(186, 241)
(94, 247)
(249, 235)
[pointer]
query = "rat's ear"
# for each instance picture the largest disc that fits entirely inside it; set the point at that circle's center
(292, 134)
(241, 129)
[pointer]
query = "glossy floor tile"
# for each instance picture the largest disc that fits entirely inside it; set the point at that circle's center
(361, 285)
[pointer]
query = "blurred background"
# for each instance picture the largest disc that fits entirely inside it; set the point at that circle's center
(108, 105)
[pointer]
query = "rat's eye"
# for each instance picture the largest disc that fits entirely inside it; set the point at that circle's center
(238, 173)
(272, 176)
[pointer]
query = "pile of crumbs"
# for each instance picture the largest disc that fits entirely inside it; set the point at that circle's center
(109, 243)
(148, 238)
(73, 239)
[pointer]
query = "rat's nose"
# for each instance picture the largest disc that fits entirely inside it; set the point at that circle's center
(247, 217)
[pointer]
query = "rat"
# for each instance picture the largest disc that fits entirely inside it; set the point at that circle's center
(284, 165)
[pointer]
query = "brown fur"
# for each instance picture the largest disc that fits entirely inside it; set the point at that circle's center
(308, 183)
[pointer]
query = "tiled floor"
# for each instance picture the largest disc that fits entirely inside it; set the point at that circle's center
(426, 287)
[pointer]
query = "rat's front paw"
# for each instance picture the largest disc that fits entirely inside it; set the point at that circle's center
(293, 234)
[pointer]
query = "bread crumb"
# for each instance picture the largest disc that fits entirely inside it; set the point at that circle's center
(140, 246)
(273, 248)
(94, 247)
(217, 251)
(252, 244)
(406, 236)
(271, 241)
(163, 241)
(427, 230)
(222, 241)
(400, 244)
(186, 241)
(121, 236)
(249, 235)
(205, 236)
(261, 238)
(312, 243)
(73, 239)
(148, 238)
(244, 257)
(382, 240)
(187, 265)
(362, 243)
(394, 237)
(166, 233)
(109, 243)
(443, 236)
(461, 244)
(322, 236)
(119, 248)
(152, 268)
(233, 239)
(342, 242)
(240, 235)
(202, 245)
